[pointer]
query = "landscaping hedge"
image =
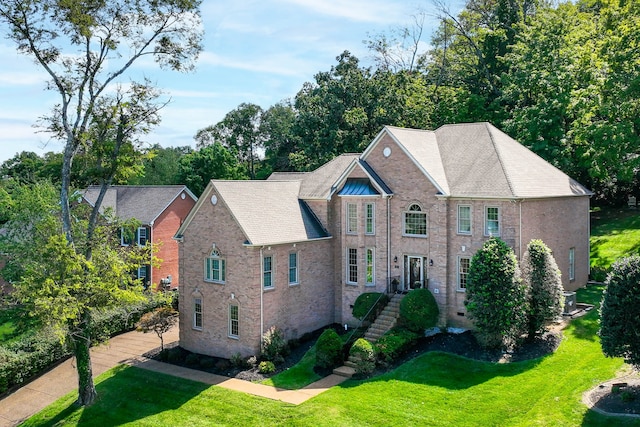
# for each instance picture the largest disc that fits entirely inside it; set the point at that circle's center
(419, 310)
(33, 354)
(394, 343)
(370, 303)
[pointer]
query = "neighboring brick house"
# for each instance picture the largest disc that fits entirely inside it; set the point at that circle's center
(295, 251)
(160, 210)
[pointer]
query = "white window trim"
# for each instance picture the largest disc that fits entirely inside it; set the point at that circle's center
(458, 282)
(215, 255)
(230, 331)
(272, 271)
(470, 232)
(194, 324)
(373, 267)
(138, 234)
(572, 264)
(348, 278)
(373, 218)
(122, 235)
(486, 221)
(404, 220)
(349, 217)
(297, 269)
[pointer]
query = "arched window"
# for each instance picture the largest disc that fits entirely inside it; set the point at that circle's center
(215, 268)
(415, 221)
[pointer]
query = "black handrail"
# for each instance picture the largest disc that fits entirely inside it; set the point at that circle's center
(374, 305)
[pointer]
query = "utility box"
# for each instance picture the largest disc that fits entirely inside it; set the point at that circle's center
(570, 303)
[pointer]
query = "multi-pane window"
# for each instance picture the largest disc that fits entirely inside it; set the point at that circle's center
(572, 264)
(370, 267)
(492, 221)
(267, 271)
(415, 221)
(370, 218)
(352, 218)
(197, 313)
(142, 236)
(464, 219)
(215, 269)
(352, 265)
(293, 268)
(126, 236)
(463, 272)
(234, 320)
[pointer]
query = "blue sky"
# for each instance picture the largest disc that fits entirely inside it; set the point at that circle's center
(258, 51)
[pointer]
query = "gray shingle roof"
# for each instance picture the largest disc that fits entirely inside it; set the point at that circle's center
(142, 202)
(269, 212)
(317, 184)
(479, 160)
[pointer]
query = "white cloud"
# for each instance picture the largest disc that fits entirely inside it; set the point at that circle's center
(380, 12)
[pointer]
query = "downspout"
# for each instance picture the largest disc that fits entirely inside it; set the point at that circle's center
(520, 232)
(389, 287)
(151, 254)
(261, 296)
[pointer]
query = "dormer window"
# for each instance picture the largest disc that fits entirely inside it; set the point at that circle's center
(215, 269)
(415, 221)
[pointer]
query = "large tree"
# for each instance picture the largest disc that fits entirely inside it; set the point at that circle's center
(86, 48)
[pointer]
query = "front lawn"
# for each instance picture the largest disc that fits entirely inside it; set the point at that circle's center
(433, 389)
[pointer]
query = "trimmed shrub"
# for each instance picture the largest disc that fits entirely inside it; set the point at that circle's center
(620, 312)
(419, 310)
(266, 367)
(274, 346)
(394, 343)
(328, 349)
(541, 275)
(365, 358)
(496, 297)
(369, 302)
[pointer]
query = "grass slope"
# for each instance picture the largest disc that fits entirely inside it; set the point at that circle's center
(615, 233)
(435, 389)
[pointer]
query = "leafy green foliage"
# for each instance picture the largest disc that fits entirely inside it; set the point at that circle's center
(328, 349)
(620, 311)
(394, 343)
(419, 310)
(496, 296)
(160, 320)
(540, 274)
(369, 304)
(266, 367)
(274, 346)
(365, 357)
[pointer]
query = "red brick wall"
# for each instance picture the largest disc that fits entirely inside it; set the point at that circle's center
(162, 232)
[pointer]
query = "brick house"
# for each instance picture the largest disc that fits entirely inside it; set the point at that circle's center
(160, 210)
(295, 251)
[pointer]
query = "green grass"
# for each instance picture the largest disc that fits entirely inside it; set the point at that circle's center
(14, 323)
(298, 376)
(615, 233)
(435, 389)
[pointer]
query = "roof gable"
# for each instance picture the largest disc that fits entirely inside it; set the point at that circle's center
(268, 212)
(478, 160)
(144, 203)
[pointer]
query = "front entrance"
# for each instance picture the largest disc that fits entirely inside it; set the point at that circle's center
(414, 272)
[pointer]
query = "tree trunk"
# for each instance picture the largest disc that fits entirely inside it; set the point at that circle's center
(81, 345)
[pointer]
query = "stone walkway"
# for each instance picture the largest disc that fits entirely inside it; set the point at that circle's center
(128, 349)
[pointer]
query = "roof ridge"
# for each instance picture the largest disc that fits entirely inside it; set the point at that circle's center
(507, 176)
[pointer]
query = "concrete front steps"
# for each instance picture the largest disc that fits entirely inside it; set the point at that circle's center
(383, 323)
(386, 320)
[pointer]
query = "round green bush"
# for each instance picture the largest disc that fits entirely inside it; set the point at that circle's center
(419, 310)
(365, 357)
(371, 303)
(620, 312)
(266, 367)
(328, 349)
(394, 343)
